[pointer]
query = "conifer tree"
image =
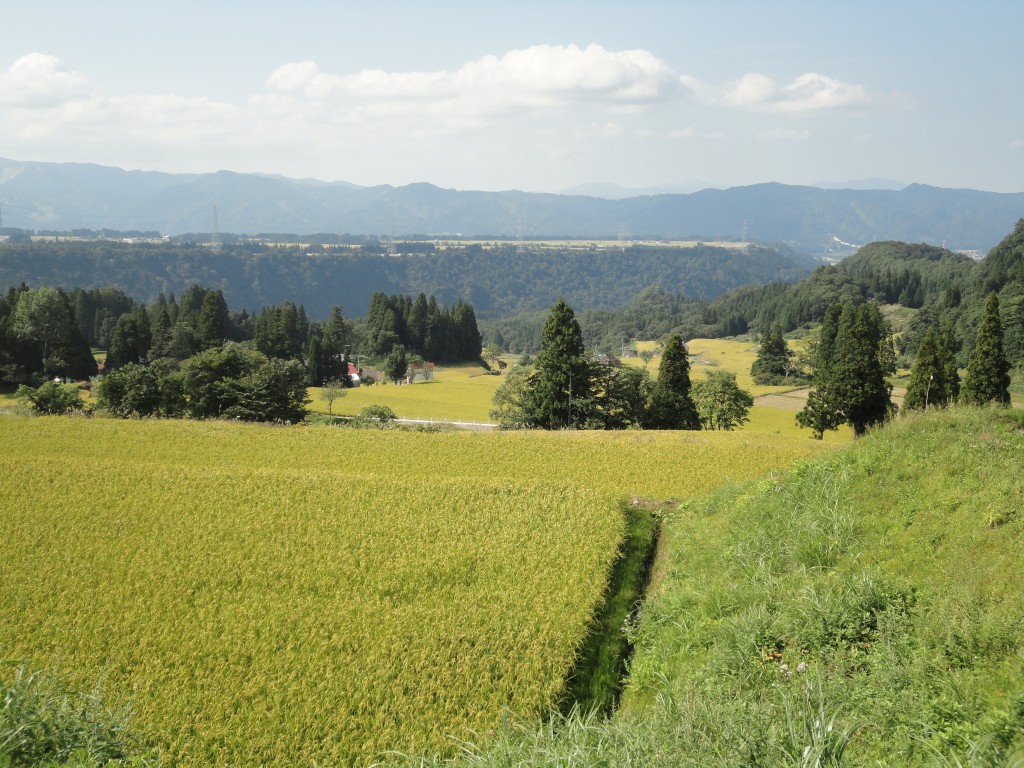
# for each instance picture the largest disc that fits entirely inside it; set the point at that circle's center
(853, 357)
(927, 387)
(774, 358)
(560, 390)
(672, 406)
(988, 371)
(948, 349)
(212, 320)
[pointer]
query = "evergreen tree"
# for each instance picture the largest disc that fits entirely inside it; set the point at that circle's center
(988, 372)
(560, 390)
(853, 357)
(417, 325)
(43, 317)
(130, 340)
(927, 387)
(774, 358)
(672, 405)
(335, 348)
(948, 349)
(211, 327)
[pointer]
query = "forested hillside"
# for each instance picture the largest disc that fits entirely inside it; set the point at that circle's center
(941, 287)
(498, 281)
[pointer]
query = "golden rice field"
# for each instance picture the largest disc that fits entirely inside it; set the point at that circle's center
(287, 596)
(735, 355)
(458, 393)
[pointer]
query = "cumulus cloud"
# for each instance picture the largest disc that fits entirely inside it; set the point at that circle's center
(809, 92)
(539, 76)
(534, 100)
(39, 80)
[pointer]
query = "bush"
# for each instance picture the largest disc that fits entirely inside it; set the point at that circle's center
(379, 415)
(51, 398)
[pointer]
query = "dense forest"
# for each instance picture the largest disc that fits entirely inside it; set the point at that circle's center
(49, 333)
(498, 281)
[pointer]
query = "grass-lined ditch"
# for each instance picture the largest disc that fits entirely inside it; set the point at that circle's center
(598, 675)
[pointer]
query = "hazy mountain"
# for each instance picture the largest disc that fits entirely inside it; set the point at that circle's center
(873, 183)
(618, 192)
(64, 196)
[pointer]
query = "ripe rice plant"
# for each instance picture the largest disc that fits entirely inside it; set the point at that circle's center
(282, 596)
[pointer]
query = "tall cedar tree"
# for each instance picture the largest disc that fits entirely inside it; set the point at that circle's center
(774, 358)
(672, 406)
(560, 390)
(988, 372)
(854, 355)
(948, 348)
(928, 386)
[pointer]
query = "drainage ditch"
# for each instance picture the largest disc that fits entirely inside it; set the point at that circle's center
(599, 674)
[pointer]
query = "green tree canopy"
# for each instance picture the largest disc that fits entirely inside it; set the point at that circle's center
(561, 388)
(721, 403)
(853, 357)
(672, 406)
(396, 366)
(927, 386)
(988, 372)
(774, 358)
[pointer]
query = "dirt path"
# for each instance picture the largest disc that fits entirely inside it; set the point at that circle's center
(797, 399)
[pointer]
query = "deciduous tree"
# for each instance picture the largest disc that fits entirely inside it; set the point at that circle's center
(721, 403)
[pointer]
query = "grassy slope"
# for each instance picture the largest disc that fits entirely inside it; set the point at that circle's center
(892, 570)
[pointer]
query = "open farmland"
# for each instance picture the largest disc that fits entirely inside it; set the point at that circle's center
(458, 393)
(289, 595)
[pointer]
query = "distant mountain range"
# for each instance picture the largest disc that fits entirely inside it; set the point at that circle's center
(812, 220)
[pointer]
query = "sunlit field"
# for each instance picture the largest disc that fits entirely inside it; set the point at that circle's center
(733, 355)
(458, 393)
(285, 595)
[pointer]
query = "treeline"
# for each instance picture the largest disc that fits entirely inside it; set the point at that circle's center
(423, 327)
(939, 284)
(567, 388)
(47, 333)
(498, 282)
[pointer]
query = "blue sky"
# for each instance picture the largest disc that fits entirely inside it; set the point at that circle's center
(540, 96)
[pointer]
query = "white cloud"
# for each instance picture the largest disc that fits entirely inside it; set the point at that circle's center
(784, 134)
(542, 76)
(39, 80)
(809, 92)
(528, 103)
(1018, 144)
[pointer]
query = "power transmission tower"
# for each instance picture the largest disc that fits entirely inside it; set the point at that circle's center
(622, 238)
(391, 238)
(215, 235)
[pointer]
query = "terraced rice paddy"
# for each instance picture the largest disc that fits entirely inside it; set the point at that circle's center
(289, 595)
